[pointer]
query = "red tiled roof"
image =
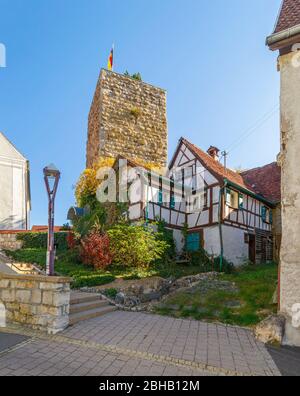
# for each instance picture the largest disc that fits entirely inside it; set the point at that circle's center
(265, 181)
(215, 167)
(289, 15)
(41, 228)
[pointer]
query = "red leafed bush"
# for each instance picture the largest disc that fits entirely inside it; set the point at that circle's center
(71, 241)
(95, 250)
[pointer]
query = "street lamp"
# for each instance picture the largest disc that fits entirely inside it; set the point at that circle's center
(51, 177)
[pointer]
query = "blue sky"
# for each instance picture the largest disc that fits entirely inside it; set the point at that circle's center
(209, 55)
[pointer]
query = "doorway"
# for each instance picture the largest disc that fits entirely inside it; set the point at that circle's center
(252, 244)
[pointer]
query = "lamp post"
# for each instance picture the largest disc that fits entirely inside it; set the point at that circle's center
(51, 177)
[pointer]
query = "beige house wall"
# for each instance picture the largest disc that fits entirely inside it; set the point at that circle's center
(290, 161)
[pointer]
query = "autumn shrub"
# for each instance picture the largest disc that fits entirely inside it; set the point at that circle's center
(95, 250)
(72, 241)
(135, 245)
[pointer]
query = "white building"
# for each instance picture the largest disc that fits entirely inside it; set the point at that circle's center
(14, 187)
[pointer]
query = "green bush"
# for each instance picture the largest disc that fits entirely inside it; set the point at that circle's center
(90, 280)
(135, 245)
(111, 293)
(206, 264)
(227, 266)
(201, 259)
(166, 236)
(38, 240)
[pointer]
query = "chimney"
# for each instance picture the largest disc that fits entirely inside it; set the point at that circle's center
(214, 152)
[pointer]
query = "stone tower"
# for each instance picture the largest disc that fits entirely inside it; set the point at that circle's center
(128, 118)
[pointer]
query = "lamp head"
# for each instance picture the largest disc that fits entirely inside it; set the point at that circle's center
(51, 171)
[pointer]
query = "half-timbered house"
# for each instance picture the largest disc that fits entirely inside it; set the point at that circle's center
(214, 205)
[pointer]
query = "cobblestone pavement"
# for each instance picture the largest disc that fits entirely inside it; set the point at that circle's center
(133, 344)
(10, 340)
(231, 349)
(39, 357)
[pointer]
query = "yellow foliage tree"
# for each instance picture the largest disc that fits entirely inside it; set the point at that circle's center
(88, 182)
(86, 187)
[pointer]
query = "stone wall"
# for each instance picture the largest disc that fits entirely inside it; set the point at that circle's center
(289, 161)
(8, 240)
(36, 301)
(128, 118)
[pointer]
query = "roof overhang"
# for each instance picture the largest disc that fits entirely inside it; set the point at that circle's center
(284, 39)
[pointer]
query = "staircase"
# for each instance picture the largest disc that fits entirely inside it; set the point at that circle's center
(84, 306)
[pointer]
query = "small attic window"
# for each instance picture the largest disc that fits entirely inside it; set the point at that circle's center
(232, 198)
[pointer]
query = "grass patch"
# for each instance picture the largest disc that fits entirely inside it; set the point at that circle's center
(67, 264)
(245, 305)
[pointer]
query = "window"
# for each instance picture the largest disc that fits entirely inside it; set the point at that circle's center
(233, 198)
(267, 215)
(166, 199)
(197, 202)
(241, 201)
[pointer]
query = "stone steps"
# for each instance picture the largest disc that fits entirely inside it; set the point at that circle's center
(84, 306)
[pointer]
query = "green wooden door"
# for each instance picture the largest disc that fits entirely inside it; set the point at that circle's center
(193, 242)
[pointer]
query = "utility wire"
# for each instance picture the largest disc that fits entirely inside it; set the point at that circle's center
(249, 131)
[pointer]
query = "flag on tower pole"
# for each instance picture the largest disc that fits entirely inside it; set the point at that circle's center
(110, 63)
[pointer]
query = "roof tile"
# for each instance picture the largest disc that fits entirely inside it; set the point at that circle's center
(264, 181)
(289, 15)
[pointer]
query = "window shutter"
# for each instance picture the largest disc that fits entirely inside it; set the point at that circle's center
(264, 213)
(172, 201)
(160, 197)
(271, 216)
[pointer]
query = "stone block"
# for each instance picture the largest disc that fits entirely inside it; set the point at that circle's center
(47, 298)
(8, 295)
(36, 296)
(58, 325)
(27, 309)
(23, 296)
(60, 299)
(51, 286)
(4, 283)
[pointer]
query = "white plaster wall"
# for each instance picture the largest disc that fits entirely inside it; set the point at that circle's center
(289, 158)
(216, 194)
(179, 240)
(14, 205)
(6, 201)
(212, 240)
(235, 248)
(135, 212)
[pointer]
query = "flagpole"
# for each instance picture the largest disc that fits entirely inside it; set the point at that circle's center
(113, 65)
